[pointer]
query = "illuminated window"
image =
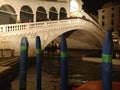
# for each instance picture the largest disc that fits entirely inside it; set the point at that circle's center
(73, 5)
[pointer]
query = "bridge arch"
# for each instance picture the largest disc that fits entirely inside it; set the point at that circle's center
(7, 14)
(26, 14)
(62, 13)
(76, 38)
(41, 14)
(88, 35)
(53, 14)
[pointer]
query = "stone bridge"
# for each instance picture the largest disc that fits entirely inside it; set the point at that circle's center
(80, 33)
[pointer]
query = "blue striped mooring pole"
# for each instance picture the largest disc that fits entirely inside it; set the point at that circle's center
(63, 55)
(107, 61)
(23, 62)
(38, 62)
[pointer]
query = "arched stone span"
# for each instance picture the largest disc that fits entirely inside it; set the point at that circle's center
(80, 38)
(50, 30)
(26, 14)
(41, 14)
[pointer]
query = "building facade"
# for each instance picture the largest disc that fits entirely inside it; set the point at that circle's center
(12, 11)
(109, 19)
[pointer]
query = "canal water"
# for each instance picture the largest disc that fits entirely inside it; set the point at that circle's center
(79, 71)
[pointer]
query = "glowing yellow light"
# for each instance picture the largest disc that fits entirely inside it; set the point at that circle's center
(73, 5)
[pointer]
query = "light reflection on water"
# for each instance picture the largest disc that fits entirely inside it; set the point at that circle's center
(79, 71)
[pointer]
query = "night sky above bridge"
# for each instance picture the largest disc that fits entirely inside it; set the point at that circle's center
(92, 6)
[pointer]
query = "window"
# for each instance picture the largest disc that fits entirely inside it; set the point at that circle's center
(103, 17)
(112, 15)
(112, 8)
(112, 22)
(103, 10)
(112, 29)
(103, 24)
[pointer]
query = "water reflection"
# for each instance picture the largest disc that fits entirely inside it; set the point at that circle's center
(79, 71)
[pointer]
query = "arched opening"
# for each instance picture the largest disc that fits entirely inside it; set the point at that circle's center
(7, 14)
(26, 14)
(63, 13)
(53, 15)
(73, 5)
(41, 14)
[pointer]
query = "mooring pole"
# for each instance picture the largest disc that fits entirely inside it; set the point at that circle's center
(63, 55)
(107, 61)
(38, 62)
(23, 63)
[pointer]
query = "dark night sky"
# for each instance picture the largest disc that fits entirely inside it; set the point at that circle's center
(93, 5)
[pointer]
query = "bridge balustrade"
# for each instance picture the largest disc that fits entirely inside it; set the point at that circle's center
(12, 27)
(24, 26)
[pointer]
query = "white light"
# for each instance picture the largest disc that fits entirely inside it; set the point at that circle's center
(73, 5)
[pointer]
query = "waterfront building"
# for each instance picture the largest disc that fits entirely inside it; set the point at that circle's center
(109, 19)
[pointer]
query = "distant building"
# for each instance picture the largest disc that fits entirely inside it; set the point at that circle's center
(109, 19)
(109, 16)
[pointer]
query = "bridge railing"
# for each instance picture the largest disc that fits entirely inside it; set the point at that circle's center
(25, 26)
(13, 27)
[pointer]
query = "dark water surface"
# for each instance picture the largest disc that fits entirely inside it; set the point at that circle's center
(79, 71)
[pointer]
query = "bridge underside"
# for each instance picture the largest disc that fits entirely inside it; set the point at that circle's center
(81, 39)
(76, 39)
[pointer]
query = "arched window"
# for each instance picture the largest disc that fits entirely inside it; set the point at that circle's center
(63, 13)
(112, 15)
(73, 5)
(7, 14)
(103, 17)
(103, 23)
(26, 14)
(41, 14)
(103, 11)
(112, 22)
(53, 15)
(7, 8)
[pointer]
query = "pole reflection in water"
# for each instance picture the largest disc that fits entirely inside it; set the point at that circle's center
(79, 71)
